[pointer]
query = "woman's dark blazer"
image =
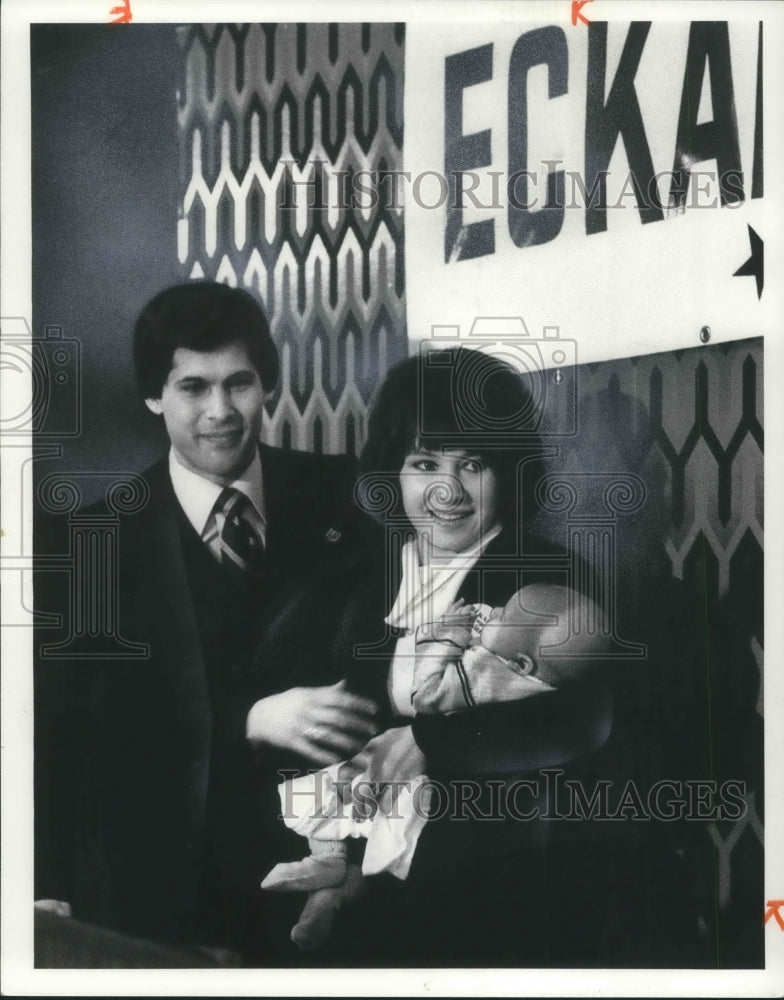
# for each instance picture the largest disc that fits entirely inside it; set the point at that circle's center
(480, 890)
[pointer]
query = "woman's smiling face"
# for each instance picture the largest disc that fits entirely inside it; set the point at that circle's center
(449, 496)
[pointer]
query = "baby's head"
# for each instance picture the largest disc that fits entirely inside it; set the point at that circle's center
(552, 634)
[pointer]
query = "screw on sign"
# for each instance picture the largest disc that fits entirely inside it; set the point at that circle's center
(773, 910)
(123, 13)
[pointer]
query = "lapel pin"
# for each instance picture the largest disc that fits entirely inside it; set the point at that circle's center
(332, 535)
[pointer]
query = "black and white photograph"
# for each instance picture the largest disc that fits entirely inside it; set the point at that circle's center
(384, 479)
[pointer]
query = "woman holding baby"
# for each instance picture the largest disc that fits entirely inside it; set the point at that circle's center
(449, 473)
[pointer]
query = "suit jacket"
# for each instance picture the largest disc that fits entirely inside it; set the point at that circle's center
(126, 749)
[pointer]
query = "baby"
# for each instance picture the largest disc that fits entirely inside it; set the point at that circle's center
(543, 638)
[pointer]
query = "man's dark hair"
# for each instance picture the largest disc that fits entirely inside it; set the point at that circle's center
(200, 316)
(459, 399)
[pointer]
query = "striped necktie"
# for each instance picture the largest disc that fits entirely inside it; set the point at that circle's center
(241, 551)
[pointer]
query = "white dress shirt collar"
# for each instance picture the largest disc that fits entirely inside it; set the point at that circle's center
(197, 495)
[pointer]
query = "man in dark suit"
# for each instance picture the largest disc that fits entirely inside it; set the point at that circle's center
(148, 805)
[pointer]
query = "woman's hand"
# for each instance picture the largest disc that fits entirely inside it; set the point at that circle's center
(386, 764)
(391, 756)
(322, 724)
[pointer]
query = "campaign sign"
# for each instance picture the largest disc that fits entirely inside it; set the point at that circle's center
(607, 179)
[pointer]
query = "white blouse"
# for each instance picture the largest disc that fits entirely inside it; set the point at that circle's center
(426, 591)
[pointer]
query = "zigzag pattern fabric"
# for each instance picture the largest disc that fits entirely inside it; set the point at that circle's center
(680, 422)
(690, 423)
(279, 126)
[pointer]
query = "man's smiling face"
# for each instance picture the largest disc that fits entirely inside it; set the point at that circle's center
(213, 406)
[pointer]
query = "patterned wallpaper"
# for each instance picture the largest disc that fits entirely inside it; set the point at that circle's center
(275, 121)
(689, 424)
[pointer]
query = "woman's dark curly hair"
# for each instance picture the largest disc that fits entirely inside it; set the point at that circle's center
(459, 398)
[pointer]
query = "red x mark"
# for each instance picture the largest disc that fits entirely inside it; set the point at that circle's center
(123, 12)
(773, 907)
(577, 6)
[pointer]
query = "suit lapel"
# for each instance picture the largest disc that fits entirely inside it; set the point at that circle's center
(276, 507)
(291, 505)
(179, 647)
